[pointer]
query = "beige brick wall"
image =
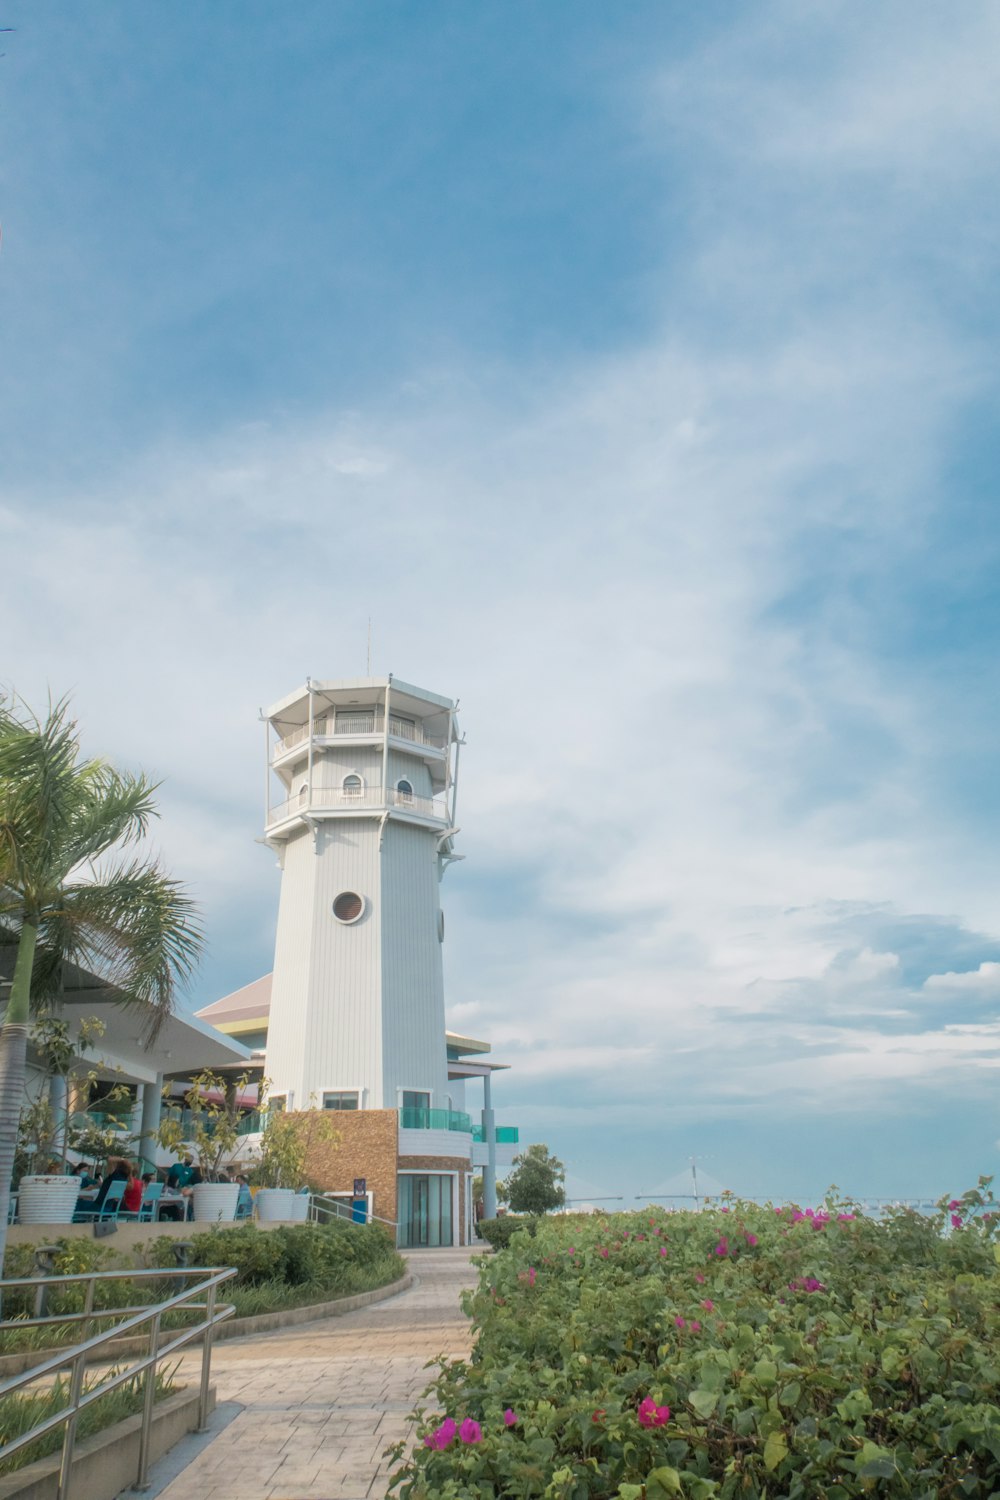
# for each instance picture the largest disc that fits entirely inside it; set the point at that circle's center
(367, 1148)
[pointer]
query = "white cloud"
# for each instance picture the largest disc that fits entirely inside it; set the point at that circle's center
(984, 981)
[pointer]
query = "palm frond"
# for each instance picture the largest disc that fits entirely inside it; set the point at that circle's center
(115, 808)
(40, 795)
(139, 929)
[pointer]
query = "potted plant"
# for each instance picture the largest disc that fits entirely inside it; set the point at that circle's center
(45, 1133)
(286, 1141)
(210, 1131)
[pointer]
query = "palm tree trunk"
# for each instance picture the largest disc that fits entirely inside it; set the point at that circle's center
(13, 1059)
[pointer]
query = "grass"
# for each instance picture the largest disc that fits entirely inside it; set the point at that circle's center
(19, 1413)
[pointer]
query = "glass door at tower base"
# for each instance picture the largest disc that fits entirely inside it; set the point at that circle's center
(424, 1210)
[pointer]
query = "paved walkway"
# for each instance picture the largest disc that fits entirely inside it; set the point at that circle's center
(321, 1402)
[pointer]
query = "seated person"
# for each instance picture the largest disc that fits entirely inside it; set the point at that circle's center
(181, 1175)
(118, 1171)
(132, 1197)
(86, 1181)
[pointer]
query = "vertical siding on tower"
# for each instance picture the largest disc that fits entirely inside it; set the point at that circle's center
(412, 979)
(343, 1040)
(292, 962)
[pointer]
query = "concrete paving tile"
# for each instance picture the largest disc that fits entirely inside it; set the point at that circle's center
(323, 1402)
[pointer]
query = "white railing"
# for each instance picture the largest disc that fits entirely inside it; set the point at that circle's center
(359, 726)
(289, 741)
(336, 800)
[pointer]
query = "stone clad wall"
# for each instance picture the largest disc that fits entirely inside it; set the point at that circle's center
(367, 1149)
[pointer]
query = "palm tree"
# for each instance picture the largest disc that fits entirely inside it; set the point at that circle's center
(74, 890)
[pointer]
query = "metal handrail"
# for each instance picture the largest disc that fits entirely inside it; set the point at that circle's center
(78, 1355)
(316, 1204)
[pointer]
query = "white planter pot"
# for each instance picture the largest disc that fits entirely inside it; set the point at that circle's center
(299, 1211)
(273, 1203)
(47, 1200)
(215, 1202)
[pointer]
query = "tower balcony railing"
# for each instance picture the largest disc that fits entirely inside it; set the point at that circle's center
(506, 1135)
(435, 1119)
(356, 726)
(363, 798)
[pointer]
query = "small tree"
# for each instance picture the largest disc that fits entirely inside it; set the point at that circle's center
(212, 1130)
(535, 1186)
(286, 1143)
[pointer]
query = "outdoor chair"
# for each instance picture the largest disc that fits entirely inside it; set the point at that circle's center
(108, 1211)
(149, 1208)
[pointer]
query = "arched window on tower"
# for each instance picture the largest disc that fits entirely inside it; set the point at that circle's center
(404, 793)
(352, 786)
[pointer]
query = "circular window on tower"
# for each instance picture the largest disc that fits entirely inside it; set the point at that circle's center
(348, 906)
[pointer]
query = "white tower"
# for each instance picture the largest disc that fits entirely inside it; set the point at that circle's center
(364, 833)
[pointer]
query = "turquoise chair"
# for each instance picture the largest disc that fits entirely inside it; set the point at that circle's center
(149, 1208)
(109, 1209)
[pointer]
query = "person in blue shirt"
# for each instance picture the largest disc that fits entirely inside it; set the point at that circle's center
(244, 1203)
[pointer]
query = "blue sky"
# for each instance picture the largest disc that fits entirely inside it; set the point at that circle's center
(634, 369)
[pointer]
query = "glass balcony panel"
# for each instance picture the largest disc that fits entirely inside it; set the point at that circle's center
(435, 1119)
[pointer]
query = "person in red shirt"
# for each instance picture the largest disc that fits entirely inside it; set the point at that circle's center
(132, 1197)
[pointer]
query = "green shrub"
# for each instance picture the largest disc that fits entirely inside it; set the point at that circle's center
(74, 1257)
(740, 1353)
(499, 1232)
(253, 1253)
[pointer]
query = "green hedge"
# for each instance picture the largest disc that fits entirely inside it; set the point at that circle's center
(328, 1257)
(747, 1353)
(498, 1232)
(289, 1266)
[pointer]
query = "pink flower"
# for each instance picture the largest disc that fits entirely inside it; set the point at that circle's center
(442, 1436)
(679, 1322)
(955, 1203)
(695, 1326)
(599, 1415)
(845, 1217)
(510, 1417)
(663, 1249)
(470, 1431)
(722, 1248)
(956, 1221)
(651, 1415)
(725, 1210)
(699, 1278)
(603, 1253)
(571, 1250)
(708, 1305)
(806, 1284)
(751, 1240)
(640, 1236)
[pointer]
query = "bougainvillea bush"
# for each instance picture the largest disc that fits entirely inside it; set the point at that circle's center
(745, 1351)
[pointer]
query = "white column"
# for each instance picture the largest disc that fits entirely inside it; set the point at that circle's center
(490, 1169)
(151, 1097)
